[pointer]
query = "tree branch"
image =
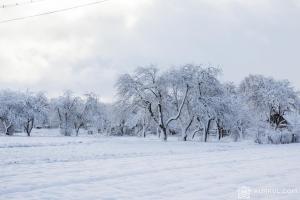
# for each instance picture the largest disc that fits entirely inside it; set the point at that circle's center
(180, 108)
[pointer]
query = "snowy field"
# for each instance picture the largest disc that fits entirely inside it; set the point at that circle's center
(101, 168)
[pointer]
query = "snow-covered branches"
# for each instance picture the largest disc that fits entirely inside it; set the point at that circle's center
(270, 99)
(180, 95)
(75, 113)
(148, 90)
(188, 101)
(20, 111)
(35, 107)
(11, 105)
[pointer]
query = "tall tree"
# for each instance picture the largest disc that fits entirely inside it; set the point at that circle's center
(147, 89)
(270, 99)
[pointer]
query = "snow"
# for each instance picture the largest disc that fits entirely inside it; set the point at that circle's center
(130, 168)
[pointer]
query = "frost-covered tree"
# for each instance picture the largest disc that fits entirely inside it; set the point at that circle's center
(233, 115)
(124, 120)
(74, 113)
(35, 107)
(65, 107)
(179, 84)
(147, 89)
(100, 117)
(270, 99)
(80, 113)
(207, 94)
(90, 112)
(130, 119)
(11, 106)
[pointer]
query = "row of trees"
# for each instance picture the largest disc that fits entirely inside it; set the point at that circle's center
(189, 101)
(23, 111)
(74, 113)
(186, 100)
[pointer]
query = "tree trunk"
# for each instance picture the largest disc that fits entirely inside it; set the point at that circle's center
(165, 135)
(77, 130)
(161, 123)
(207, 130)
(29, 126)
(185, 130)
(6, 128)
(220, 130)
(144, 131)
(158, 132)
(144, 127)
(78, 127)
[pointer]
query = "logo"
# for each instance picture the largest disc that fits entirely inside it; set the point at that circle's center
(244, 193)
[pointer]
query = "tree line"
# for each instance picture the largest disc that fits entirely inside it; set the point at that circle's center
(189, 101)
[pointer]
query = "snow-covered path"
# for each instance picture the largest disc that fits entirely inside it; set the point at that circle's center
(137, 169)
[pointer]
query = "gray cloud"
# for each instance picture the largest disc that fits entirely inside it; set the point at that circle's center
(86, 49)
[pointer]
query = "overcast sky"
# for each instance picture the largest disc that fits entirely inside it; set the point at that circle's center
(87, 48)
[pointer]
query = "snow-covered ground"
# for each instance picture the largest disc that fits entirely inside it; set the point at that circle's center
(102, 168)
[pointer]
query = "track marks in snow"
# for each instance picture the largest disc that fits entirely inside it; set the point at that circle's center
(127, 169)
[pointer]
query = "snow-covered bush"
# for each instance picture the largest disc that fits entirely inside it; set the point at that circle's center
(271, 136)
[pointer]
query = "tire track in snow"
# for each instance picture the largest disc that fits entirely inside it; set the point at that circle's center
(130, 174)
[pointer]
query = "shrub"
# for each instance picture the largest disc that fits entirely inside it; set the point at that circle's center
(267, 136)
